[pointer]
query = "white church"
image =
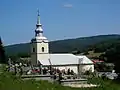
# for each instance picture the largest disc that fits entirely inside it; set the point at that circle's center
(40, 53)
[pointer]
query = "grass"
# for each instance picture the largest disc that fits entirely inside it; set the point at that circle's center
(10, 82)
(92, 54)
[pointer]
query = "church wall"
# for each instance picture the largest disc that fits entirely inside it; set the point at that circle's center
(42, 57)
(33, 55)
(74, 68)
(84, 68)
(33, 59)
(33, 45)
(42, 45)
(37, 53)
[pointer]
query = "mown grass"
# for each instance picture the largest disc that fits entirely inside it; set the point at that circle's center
(10, 82)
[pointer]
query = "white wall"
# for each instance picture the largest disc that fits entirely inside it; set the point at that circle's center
(40, 45)
(42, 57)
(38, 54)
(84, 68)
(74, 68)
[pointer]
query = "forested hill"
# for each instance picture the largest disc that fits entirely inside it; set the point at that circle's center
(63, 46)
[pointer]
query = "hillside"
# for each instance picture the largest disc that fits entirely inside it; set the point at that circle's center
(109, 51)
(63, 46)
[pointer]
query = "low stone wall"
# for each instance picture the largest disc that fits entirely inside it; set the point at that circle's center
(81, 85)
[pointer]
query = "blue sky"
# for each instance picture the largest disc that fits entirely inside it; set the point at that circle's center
(61, 19)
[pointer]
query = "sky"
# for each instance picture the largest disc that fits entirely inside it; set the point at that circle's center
(61, 19)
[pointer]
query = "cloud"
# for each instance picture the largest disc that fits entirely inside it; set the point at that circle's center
(68, 5)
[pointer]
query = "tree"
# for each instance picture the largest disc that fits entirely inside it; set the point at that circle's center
(14, 58)
(2, 53)
(113, 56)
(23, 55)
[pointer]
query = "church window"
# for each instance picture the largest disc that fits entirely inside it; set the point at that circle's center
(33, 49)
(42, 49)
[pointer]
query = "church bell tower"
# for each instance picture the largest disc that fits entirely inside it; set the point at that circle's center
(39, 45)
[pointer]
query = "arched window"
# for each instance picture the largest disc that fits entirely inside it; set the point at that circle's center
(33, 49)
(42, 49)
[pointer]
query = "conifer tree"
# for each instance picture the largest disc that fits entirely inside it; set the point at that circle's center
(2, 53)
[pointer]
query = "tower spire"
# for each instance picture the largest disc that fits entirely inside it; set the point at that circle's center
(38, 17)
(38, 30)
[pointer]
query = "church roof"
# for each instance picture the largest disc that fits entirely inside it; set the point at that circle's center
(41, 38)
(57, 59)
(84, 59)
(65, 59)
